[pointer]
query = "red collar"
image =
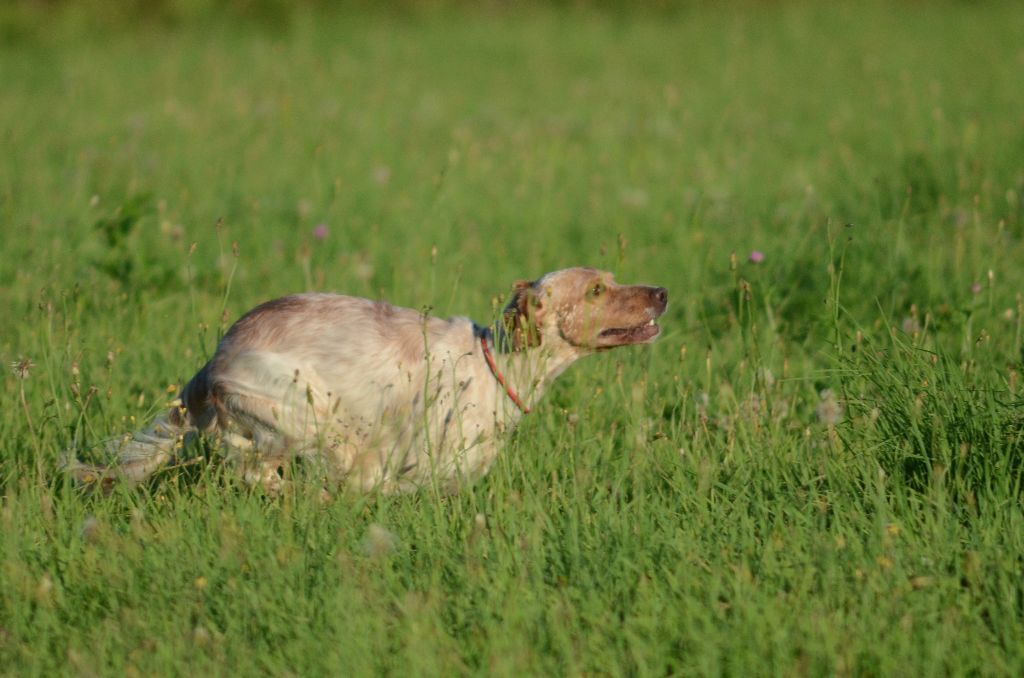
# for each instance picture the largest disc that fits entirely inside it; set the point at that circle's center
(497, 375)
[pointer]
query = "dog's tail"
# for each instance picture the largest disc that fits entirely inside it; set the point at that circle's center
(139, 455)
(143, 453)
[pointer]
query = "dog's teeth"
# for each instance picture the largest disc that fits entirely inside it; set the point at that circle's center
(651, 322)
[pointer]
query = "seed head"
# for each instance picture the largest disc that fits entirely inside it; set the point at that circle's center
(22, 367)
(379, 541)
(829, 410)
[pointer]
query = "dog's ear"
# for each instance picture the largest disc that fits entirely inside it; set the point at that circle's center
(519, 319)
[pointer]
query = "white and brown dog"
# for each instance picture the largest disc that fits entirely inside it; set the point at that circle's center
(389, 398)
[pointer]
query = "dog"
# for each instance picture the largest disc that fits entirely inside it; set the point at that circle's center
(388, 399)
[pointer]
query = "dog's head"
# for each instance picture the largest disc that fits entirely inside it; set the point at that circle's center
(582, 308)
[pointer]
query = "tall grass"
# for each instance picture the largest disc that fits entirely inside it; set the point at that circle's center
(816, 469)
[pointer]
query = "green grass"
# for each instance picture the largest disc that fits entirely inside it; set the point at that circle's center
(816, 469)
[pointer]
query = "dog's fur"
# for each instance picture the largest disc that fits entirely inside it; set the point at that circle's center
(389, 398)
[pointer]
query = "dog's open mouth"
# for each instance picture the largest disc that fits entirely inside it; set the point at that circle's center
(621, 336)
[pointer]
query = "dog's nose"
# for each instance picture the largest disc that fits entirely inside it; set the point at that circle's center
(660, 295)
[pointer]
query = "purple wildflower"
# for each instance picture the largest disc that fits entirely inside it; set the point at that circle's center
(756, 257)
(320, 232)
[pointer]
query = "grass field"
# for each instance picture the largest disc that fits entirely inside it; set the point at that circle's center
(816, 470)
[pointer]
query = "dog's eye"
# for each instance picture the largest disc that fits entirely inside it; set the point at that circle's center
(596, 290)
